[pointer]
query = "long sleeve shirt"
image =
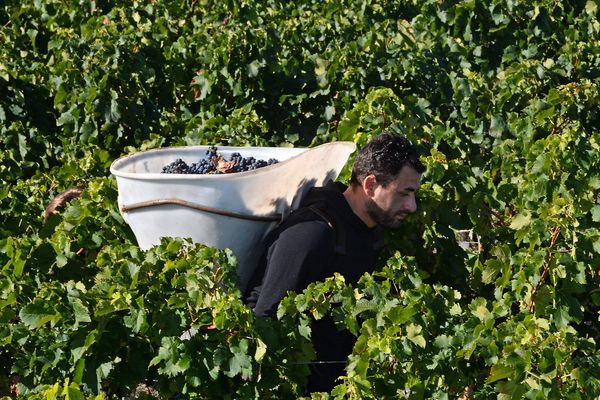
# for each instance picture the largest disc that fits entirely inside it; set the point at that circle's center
(311, 245)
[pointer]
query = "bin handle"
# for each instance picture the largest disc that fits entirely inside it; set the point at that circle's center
(213, 210)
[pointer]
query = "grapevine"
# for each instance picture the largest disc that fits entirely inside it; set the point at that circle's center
(501, 99)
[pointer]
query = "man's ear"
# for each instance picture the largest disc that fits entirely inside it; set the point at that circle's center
(369, 184)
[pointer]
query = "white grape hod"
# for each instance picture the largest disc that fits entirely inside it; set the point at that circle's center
(232, 210)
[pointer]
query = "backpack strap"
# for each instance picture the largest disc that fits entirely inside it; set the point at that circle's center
(338, 229)
(296, 216)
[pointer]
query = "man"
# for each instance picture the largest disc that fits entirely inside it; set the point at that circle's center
(338, 229)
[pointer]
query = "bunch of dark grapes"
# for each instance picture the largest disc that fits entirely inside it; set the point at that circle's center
(215, 163)
(249, 163)
(176, 167)
(211, 152)
(201, 167)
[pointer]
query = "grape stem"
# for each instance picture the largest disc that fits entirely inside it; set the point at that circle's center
(553, 237)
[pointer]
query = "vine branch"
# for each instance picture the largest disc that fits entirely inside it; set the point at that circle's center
(554, 233)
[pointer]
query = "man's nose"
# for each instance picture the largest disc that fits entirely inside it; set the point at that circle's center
(410, 205)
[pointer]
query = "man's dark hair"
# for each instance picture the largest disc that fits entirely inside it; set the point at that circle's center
(384, 156)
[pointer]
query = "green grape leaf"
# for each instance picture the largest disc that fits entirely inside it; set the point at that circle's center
(498, 372)
(521, 220)
(34, 315)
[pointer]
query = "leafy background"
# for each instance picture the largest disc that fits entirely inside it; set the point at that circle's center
(500, 96)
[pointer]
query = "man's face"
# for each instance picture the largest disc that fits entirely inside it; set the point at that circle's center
(389, 205)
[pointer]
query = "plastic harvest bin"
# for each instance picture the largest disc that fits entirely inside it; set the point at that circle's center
(222, 210)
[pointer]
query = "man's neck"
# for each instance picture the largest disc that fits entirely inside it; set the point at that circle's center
(356, 199)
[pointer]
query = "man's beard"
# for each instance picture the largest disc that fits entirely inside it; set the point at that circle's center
(384, 218)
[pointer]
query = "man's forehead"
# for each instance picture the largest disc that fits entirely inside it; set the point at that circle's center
(407, 179)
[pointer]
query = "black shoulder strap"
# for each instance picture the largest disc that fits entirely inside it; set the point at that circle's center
(297, 215)
(338, 229)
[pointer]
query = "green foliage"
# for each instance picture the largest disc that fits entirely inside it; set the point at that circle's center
(500, 96)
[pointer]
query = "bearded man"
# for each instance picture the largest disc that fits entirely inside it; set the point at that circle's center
(338, 229)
